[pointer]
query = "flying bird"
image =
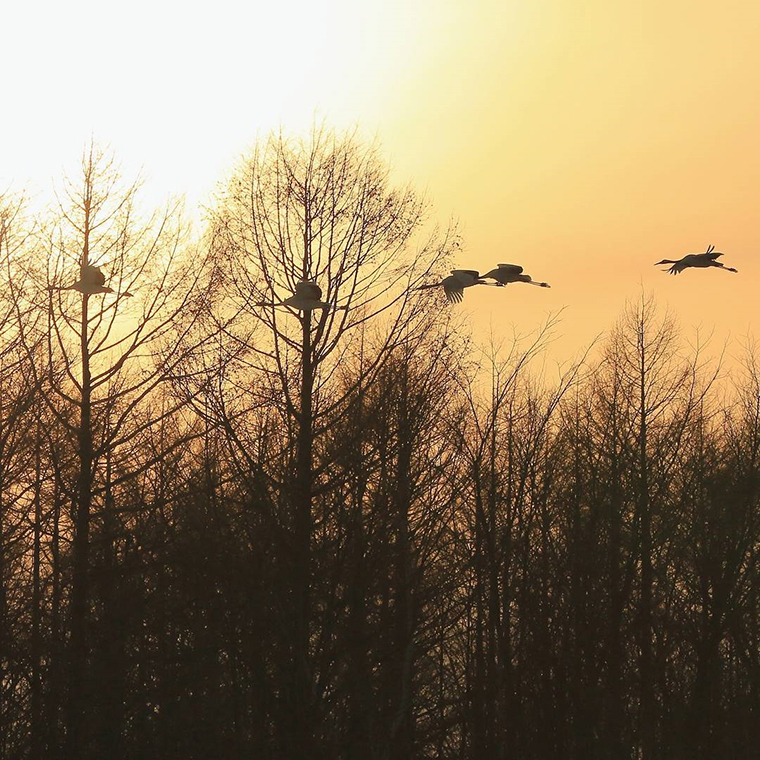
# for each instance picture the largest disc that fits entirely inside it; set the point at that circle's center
(307, 297)
(702, 260)
(91, 281)
(505, 274)
(455, 283)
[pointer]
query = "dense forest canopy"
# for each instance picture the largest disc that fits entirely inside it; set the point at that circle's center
(233, 529)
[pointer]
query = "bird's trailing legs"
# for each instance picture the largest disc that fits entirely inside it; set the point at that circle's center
(527, 282)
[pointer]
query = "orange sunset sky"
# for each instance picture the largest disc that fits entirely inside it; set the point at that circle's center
(583, 140)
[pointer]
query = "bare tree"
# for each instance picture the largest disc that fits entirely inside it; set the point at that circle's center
(317, 211)
(504, 437)
(106, 353)
(20, 687)
(660, 388)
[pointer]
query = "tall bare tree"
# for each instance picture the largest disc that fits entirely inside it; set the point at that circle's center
(321, 210)
(106, 353)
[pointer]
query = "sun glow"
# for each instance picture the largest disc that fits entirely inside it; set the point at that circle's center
(611, 134)
(182, 88)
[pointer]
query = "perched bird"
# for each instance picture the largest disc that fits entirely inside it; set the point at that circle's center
(455, 283)
(91, 281)
(306, 298)
(505, 274)
(702, 260)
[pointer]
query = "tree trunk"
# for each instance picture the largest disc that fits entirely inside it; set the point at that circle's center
(111, 668)
(647, 713)
(402, 727)
(79, 699)
(302, 740)
(36, 727)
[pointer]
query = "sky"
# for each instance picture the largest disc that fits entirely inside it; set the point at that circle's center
(582, 140)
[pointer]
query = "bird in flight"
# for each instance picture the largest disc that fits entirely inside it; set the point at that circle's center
(307, 297)
(505, 274)
(702, 260)
(91, 282)
(455, 283)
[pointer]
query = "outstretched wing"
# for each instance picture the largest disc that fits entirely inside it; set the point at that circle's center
(466, 275)
(453, 289)
(512, 268)
(710, 254)
(91, 275)
(309, 289)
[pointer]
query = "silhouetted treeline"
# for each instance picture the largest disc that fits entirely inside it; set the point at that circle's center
(233, 530)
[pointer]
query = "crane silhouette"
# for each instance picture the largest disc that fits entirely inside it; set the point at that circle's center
(700, 260)
(91, 281)
(505, 274)
(454, 285)
(307, 297)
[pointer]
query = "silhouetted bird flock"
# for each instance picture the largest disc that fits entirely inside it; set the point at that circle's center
(308, 295)
(459, 279)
